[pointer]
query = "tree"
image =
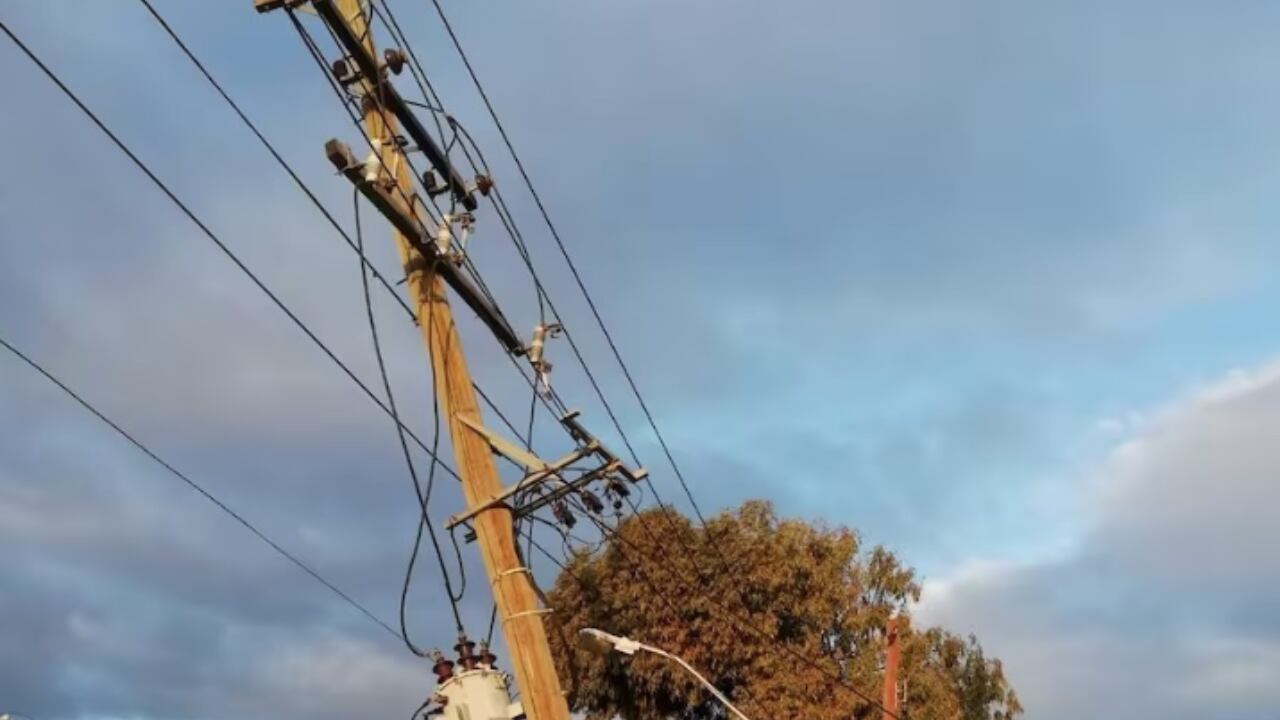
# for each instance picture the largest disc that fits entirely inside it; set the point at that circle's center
(733, 599)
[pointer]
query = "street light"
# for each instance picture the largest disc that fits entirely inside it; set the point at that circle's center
(601, 642)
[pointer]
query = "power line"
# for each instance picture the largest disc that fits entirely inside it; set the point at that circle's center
(605, 331)
(301, 185)
(542, 209)
(506, 218)
(366, 268)
(316, 55)
(538, 200)
(513, 232)
(517, 239)
(318, 58)
(211, 235)
(193, 484)
(429, 93)
(415, 68)
(503, 212)
(424, 519)
(306, 190)
(384, 12)
(424, 496)
(581, 286)
(388, 18)
(591, 304)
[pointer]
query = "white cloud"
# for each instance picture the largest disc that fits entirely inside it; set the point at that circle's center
(1164, 607)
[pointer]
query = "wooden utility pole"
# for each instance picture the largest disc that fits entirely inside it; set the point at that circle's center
(511, 581)
(892, 658)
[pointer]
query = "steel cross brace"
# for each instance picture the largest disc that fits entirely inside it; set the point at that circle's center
(538, 470)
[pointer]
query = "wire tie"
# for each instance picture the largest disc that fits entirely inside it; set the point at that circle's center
(509, 572)
(538, 611)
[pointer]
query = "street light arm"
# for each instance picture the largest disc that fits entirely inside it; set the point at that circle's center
(705, 682)
(602, 642)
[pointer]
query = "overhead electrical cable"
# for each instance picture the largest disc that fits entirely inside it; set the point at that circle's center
(365, 267)
(542, 292)
(555, 234)
(279, 549)
(318, 58)
(424, 495)
(306, 190)
(226, 250)
(436, 106)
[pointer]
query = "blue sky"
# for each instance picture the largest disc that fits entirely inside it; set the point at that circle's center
(938, 272)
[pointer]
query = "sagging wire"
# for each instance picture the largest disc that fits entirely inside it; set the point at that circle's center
(318, 58)
(384, 13)
(424, 497)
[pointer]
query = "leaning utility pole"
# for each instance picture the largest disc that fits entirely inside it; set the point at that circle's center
(510, 579)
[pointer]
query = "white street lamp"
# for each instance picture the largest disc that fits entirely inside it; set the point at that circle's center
(602, 642)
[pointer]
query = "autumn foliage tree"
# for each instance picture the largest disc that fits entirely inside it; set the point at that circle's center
(782, 615)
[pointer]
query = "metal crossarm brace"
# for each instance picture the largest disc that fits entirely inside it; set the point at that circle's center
(570, 421)
(385, 94)
(538, 470)
(263, 6)
(398, 213)
(568, 487)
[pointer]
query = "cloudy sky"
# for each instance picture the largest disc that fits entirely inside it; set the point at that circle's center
(992, 282)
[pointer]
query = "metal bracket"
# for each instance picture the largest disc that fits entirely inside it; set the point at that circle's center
(548, 478)
(402, 217)
(537, 469)
(265, 6)
(570, 421)
(389, 98)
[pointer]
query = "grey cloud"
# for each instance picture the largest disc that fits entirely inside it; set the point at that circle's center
(124, 593)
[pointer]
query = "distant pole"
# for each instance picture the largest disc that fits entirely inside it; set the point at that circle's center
(892, 658)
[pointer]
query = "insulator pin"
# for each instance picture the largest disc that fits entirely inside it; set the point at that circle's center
(395, 60)
(443, 667)
(563, 516)
(594, 506)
